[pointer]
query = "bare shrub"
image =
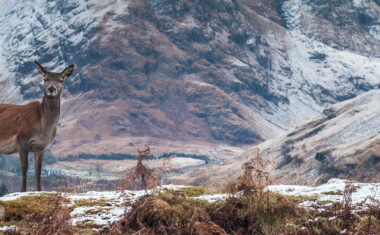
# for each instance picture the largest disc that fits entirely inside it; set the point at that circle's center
(148, 209)
(255, 176)
(347, 214)
(252, 209)
(142, 177)
(54, 219)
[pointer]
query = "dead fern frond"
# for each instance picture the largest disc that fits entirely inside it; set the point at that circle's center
(54, 219)
(255, 176)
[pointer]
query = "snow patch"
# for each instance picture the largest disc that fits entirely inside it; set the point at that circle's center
(358, 3)
(102, 216)
(292, 13)
(113, 211)
(213, 197)
(6, 228)
(15, 196)
(375, 31)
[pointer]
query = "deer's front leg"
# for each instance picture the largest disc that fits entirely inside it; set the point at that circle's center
(37, 168)
(23, 152)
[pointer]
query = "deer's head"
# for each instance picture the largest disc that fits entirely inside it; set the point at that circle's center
(53, 81)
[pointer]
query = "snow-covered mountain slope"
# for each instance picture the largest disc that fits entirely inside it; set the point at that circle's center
(205, 74)
(352, 25)
(342, 142)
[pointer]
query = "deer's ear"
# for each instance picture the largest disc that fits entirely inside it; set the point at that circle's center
(41, 68)
(68, 71)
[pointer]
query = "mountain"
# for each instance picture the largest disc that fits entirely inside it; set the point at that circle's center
(188, 76)
(342, 142)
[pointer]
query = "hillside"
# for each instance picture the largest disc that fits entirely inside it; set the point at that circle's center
(342, 142)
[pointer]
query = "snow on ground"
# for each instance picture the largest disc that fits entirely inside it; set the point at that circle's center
(332, 191)
(109, 206)
(116, 206)
(97, 214)
(100, 215)
(15, 196)
(6, 228)
(114, 209)
(213, 197)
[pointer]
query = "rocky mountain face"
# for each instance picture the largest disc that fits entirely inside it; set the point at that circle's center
(343, 142)
(188, 76)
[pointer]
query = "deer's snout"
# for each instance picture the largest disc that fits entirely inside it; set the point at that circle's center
(51, 90)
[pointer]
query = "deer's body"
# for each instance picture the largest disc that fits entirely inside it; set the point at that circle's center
(26, 125)
(32, 127)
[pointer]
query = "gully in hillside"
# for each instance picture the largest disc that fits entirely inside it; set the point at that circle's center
(32, 127)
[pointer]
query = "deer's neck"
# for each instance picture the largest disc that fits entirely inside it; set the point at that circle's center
(50, 112)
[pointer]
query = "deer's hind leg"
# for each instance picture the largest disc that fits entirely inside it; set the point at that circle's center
(24, 166)
(37, 168)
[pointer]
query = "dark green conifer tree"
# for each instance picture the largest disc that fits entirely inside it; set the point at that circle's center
(3, 190)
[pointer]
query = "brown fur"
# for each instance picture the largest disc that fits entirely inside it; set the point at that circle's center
(32, 127)
(20, 120)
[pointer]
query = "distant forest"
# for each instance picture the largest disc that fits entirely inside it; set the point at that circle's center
(117, 156)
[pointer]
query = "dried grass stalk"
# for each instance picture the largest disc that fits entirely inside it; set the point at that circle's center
(53, 220)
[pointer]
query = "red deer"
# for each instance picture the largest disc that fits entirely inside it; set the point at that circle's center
(32, 127)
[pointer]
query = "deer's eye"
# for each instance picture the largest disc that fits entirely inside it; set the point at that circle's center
(60, 81)
(45, 80)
